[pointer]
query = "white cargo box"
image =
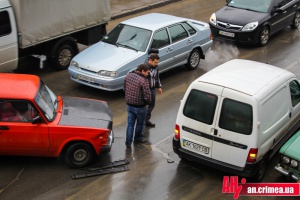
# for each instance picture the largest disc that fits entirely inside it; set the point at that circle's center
(41, 20)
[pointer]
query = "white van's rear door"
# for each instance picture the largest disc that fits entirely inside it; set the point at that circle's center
(234, 129)
(197, 118)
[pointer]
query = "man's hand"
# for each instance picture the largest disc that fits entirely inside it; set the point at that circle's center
(159, 90)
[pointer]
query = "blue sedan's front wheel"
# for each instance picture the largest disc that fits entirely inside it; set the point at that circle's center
(194, 60)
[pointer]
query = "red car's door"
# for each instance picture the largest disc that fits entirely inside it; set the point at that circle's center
(18, 135)
(23, 138)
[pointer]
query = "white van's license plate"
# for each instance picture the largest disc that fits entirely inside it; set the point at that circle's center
(195, 146)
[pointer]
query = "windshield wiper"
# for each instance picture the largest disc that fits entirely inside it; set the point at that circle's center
(250, 9)
(242, 8)
(232, 6)
(108, 42)
(124, 45)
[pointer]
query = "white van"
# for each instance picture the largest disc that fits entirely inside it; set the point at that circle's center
(236, 116)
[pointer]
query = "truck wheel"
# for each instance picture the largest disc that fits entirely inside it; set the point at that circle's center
(262, 168)
(79, 155)
(296, 20)
(263, 37)
(193, 60)
(63, 56)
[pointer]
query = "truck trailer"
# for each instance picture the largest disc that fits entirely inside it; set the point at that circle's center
(50, 28)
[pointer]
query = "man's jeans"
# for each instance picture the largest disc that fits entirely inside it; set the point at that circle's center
(135, 115)
(151, 105)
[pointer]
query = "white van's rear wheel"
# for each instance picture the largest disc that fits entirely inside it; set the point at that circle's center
(262, 168)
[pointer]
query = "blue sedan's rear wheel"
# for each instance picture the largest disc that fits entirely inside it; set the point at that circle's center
(193, 60)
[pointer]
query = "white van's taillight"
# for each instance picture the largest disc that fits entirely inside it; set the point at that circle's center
(252, 155)
(177, 132)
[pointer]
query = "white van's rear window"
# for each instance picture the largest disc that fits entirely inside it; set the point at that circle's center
(236, 116)
(201, 106)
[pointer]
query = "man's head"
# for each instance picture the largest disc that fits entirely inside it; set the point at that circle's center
(153, 59)
(144, 69)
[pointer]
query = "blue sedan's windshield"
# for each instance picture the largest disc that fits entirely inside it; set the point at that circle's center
(255, 5)
(129, 37)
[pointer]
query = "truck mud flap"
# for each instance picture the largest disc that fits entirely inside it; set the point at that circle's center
(100, 172)
(109, 165)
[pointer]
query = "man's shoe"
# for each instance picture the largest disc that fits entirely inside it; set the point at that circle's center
(141, 141)
(150, 124)
(128, 146)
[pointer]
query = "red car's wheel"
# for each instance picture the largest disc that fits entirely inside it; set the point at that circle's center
(79, 155)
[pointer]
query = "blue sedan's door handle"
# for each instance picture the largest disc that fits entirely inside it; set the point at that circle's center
(190, 41)
(170, 49)
(4, 128)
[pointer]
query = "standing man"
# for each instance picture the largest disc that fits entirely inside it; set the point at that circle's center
(154, 83)
(137, 96)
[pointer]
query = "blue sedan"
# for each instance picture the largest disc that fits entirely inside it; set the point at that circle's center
(179, 41)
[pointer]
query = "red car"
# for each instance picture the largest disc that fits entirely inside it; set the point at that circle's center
(36, 122)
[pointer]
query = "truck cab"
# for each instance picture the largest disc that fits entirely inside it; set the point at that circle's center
(8, 38)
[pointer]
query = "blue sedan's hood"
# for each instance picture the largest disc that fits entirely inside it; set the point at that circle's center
(238, 16)
(103, 56)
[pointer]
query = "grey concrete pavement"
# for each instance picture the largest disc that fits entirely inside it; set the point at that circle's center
(122, 8)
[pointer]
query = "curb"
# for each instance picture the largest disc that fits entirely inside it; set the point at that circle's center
(125, 13)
